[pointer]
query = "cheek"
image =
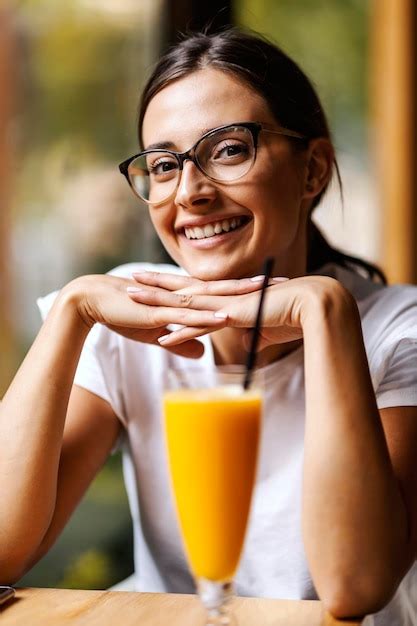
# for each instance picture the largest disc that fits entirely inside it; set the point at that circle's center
(276, 202)
(275, 190)
(163, 223)
(154, 219)
(161, 219)
(160, 222)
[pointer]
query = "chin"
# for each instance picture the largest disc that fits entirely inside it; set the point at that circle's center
(207, 271)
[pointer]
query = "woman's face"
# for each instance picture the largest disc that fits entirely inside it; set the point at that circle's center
(269, 201)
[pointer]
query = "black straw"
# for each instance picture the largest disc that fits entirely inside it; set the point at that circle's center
(250, 363)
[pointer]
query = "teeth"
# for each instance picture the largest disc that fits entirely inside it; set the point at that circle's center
(209, 230)
(199, 232)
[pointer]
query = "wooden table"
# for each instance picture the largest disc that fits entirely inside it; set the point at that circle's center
(64, 607)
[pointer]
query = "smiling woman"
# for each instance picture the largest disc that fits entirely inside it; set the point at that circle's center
(235, 155)
(266, 195)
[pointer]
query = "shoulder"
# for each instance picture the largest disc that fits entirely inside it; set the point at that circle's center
(390, 310)
(378, 304)
(389, 325)
(389, 320)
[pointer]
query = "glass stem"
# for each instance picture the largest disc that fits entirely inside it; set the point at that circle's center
(215, 596)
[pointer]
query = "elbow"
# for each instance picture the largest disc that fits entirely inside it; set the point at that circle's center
(11, 572)
(355, 598)
(14, 565)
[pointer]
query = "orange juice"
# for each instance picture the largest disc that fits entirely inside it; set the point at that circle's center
(212, 437)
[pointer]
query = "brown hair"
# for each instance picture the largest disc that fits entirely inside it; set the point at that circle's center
(284, 86)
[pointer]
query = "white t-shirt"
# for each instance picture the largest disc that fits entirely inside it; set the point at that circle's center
(129, 376)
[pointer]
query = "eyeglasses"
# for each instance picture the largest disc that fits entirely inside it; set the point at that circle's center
(224, 155)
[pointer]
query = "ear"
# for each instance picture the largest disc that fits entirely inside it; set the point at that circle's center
(319, 164)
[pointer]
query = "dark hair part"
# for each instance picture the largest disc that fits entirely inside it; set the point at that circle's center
(267, 70)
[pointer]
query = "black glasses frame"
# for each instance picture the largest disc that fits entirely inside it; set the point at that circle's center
(190, 155)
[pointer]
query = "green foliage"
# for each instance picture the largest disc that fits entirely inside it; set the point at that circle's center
(108, 487)
(328, 38)
(90, 570)
(81, 71)
(80, 85)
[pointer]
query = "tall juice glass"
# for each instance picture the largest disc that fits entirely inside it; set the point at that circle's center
(212, 432)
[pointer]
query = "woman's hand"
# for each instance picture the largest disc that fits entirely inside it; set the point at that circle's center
(105, 299)
(287, 303)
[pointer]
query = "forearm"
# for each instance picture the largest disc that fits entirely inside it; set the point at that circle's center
(32, 416)
(354, 520)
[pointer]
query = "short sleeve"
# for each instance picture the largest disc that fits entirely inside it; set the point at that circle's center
(98, 368)
(399, 385)
(397, 351)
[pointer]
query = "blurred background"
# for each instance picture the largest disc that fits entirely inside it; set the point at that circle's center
(70, 78)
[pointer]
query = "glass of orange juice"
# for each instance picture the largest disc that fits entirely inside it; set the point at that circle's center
(212, 431)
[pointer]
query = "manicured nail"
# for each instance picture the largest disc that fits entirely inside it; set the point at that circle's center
(163, 339)
(257, 279)
(134, 289)
(279, 279)
(220, 315)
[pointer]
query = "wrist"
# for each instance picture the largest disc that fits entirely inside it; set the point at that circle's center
(327, 303)
(72, 300)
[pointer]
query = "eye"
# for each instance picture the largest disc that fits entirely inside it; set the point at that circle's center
(230, 150)
(162, 166)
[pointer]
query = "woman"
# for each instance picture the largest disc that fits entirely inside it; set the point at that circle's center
(238, 154)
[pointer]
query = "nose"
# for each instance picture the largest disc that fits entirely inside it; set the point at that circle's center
(194, 189)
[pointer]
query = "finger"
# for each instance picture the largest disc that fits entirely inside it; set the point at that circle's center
(137, 315)
(162, 297)
(165, 280)
(178, 337)
(190, 285)
(230, 287)
(192, 349)
(184, 298)
(136, 285)
(162, 316)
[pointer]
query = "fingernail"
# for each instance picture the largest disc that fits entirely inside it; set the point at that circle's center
(163, 339)
(257, 278)
(220, 315)
(279, 279)
(134, 289)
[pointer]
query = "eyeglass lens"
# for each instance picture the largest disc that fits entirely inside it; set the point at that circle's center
(225, 155)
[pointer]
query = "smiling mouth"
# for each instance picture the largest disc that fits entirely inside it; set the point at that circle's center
(214, 229)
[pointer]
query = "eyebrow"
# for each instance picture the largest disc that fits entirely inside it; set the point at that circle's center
(163, 145)
(168, 145)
